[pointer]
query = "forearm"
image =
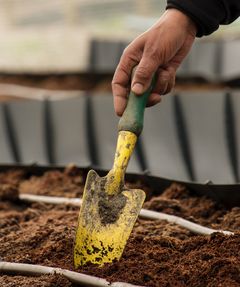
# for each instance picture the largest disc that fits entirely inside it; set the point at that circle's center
(208, 14)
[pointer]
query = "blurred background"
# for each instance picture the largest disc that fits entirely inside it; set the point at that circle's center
(82, 36)
(61, 54)
(44, 36)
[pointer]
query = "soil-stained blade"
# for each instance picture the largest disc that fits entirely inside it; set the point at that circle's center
(105, 221)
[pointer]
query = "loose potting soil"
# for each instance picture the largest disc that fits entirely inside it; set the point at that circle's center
(157, 254)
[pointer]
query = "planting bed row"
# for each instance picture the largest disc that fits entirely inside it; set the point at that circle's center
(157, 254)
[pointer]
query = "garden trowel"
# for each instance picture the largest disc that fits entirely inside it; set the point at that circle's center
(109, 209)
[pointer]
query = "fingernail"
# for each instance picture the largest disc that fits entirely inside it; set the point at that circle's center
(137, 88)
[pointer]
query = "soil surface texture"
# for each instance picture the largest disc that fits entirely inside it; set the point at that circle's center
(157, 254)
(85, 81)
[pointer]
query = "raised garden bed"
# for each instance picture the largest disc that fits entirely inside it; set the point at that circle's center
(158, 253)
(93, 81)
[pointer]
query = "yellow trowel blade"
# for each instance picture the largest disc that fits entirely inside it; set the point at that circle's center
(105, 221)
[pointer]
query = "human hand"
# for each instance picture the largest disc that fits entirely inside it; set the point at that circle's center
(160, 50)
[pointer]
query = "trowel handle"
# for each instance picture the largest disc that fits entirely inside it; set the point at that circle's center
(132, 118)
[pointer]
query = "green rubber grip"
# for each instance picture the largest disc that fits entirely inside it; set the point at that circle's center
(132, 118)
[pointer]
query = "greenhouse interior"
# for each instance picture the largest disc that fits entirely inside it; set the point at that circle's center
(119, 143)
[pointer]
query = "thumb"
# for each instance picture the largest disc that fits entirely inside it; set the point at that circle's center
(143, 75)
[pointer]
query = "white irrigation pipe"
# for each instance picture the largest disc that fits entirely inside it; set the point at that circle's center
(50, 199)
(144, 213)
(194, 227)
(79, 278)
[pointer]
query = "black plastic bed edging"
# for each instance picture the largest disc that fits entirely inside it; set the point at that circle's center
(228, 194)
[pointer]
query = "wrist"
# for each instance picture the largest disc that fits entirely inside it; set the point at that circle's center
(183, 19)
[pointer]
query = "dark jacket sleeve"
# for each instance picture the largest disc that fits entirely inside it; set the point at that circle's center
(208, 14)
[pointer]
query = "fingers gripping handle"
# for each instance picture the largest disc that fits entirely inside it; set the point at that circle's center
(132, 118)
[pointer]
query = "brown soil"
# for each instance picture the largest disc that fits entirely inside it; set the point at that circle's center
(157, 254)
(94, 82)
(42, 281)
(60, 81)
(177, 200)
(69, 183)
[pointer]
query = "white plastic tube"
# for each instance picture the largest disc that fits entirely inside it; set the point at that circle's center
(50, 199)
(37, 270)
(144, 213)
(194, 227)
